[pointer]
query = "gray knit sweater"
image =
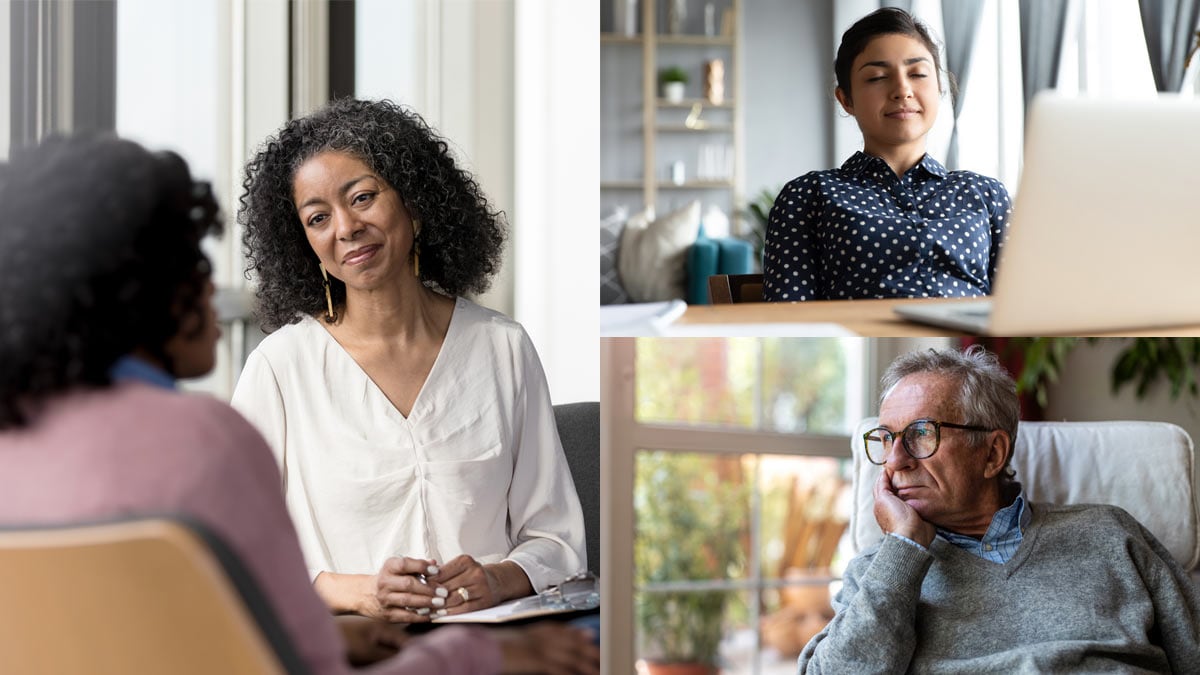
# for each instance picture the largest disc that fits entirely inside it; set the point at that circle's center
(1089, 590)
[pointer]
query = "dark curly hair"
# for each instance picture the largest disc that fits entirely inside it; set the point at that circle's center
(99, 254)
(461, 237)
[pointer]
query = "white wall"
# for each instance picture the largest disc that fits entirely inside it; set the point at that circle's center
(557, 152)
(502, 81)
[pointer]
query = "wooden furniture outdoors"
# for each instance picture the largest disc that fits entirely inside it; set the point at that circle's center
(724, 289)
(811, 534)
(158, 595)
(873, 318)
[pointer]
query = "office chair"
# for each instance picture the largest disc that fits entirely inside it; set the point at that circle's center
(579, 431)
(145, 595)
(1145, 468)
(727, 288)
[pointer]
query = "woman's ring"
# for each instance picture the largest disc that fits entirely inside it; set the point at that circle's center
(466, 595)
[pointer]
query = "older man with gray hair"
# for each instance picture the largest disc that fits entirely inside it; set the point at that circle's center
(970, 576)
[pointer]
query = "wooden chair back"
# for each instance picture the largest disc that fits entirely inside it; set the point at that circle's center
(727, 288)
(158, 595)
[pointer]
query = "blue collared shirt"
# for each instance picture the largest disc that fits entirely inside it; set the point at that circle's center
(130, 367)
(861, 232)
(1002, 538)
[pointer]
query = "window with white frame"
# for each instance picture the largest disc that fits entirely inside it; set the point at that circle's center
(1104, 51)
(1103, 54)
(740, 461)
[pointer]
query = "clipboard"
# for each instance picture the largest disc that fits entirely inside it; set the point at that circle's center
(578, 593)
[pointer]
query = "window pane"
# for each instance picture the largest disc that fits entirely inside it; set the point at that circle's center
(806, 505)
(687, 627)
(707, 381)
(805, 513)
(773, 384)
(717, 628)
(168, 74)
(811, 385)
(691, 517)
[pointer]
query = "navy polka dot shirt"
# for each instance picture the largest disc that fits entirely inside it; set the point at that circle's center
(861, 232)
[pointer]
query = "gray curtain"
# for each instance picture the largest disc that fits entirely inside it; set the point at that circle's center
(961, 22)
(905, 5)
(1170, 27)
(1042, 23)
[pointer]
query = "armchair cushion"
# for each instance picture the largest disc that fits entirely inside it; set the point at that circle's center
(707, 257)
(611, 290)
(653, 253)
(1146, 468)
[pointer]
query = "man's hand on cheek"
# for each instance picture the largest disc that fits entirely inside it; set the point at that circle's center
(893, 515)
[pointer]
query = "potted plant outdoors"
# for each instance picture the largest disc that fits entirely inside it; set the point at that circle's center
(691, 526)
(673, 80)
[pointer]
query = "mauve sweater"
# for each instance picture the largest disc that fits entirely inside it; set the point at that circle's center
(135, 448)
(1089, 590)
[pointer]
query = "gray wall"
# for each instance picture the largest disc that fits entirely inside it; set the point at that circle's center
(787, 53)
(1084, 393)
(788, 83)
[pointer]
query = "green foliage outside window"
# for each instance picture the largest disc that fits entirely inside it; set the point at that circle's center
(692, 525)
(775, 384)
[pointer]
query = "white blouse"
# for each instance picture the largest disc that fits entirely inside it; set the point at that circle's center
(475, 468)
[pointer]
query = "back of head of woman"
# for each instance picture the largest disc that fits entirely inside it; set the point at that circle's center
(100, 257)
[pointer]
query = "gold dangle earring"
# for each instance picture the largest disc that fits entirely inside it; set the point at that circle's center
(416, 250)
(330, 317)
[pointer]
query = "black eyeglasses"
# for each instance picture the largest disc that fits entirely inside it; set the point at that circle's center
(920, 439)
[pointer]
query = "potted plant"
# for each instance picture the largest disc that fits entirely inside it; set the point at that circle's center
(691, 523)
(1144, 361)
(757, 215)
(673, 80)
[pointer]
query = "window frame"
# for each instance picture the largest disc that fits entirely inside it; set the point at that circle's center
(622, 437)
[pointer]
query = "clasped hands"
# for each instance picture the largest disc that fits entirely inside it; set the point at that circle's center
(415, 590)
(894, 515)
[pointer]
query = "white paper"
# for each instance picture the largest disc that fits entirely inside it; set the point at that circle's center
(521, 608)
(645, 318)
(755, 330)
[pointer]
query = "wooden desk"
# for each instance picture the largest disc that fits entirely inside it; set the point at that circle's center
(873, 318)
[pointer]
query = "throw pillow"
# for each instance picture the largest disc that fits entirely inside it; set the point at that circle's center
(611, 290)
(653, 259)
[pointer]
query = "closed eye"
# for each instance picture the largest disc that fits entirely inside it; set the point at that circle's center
(876, 78)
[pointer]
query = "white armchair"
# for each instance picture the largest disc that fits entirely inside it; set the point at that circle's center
(1146, 468)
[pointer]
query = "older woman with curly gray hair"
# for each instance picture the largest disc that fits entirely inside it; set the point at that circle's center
(420, 458)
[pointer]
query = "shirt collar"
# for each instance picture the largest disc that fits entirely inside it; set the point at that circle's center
(1009, 521)
(932, 166)
(861, 163)
(130, 367)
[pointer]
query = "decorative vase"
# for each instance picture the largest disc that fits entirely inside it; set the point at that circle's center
(714, 81)
(676, 16)
(673, 91)
(625, 17)
(678, 172)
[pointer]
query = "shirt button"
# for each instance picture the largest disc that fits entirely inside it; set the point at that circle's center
(987, 547)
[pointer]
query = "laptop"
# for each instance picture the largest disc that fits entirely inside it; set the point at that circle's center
(1105, 229)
